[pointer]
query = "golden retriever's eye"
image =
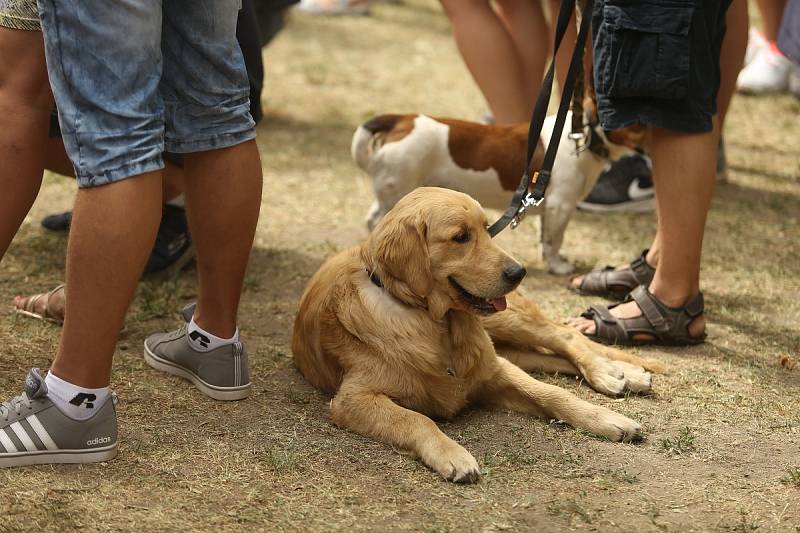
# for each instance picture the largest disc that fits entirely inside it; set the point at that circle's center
(462, 237)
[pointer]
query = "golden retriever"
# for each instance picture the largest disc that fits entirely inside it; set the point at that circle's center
(398, 330)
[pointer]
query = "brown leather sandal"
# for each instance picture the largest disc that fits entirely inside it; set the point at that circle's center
(616, 284)
(668, 326)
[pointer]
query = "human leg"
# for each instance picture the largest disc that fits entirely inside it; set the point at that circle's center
(490, 55)
(526, 25)
(25, 103)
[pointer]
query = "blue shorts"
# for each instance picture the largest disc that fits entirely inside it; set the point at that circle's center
(135, 78)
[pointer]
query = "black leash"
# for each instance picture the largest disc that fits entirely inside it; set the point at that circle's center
(534, 182)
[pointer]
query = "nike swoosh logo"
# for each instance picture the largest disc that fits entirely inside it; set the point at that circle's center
(635, 192)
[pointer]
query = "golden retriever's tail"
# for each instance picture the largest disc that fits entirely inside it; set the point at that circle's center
(368, 137)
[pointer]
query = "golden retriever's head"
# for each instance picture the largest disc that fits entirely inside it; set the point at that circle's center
(433, 249)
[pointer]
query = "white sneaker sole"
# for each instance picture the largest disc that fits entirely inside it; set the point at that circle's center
(225, 394)
(93, 455)
(637, 206)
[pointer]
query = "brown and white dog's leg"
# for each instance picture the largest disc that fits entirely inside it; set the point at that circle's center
(376, 415)
(607, 370)
(511, 388)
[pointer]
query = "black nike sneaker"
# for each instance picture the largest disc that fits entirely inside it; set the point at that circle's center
(625, 185)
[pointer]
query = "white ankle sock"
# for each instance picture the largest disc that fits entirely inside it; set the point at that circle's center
(203, 341)
(78, 403)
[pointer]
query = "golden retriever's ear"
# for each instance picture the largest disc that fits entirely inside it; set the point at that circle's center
(397, 250)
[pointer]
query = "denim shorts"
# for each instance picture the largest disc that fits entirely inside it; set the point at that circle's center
(135, 78)
(656, 62)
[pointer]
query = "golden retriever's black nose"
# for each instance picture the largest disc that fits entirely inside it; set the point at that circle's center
(514, 274)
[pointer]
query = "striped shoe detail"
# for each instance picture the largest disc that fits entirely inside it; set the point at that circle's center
(23, 437)
(237, 363)
(41, 432)
(7, 443)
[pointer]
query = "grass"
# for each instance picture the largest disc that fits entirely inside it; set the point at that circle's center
(275, 462)
(680, 444)
(792, 477)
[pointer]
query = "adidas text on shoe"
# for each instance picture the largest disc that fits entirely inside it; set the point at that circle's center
(34, 431)
(222, 373)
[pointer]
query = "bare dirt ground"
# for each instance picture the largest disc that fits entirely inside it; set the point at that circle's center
(723, 427)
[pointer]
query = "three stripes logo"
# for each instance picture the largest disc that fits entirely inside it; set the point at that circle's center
(26, 435)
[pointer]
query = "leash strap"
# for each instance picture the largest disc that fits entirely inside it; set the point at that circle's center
(526, 194)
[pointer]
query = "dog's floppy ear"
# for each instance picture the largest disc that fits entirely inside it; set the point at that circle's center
(398, 252)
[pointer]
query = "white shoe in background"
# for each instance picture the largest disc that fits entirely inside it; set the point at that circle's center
(767, 73)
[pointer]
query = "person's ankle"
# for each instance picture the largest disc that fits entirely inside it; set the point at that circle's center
(672, 295)
(652, 257)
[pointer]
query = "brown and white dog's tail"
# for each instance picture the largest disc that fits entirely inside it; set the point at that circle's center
(369, 137)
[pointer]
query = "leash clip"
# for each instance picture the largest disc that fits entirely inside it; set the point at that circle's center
(579, 138)
(527, 202)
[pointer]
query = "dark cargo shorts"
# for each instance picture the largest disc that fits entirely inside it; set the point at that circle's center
(656, 62)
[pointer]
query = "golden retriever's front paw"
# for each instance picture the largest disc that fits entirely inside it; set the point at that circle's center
(614, 426)
(614, 378)
(454, 463)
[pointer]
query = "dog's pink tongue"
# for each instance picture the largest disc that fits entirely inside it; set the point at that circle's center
(498, 303)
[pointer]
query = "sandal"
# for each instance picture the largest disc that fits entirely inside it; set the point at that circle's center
(29, 309)
(616, 284)
(669, 326)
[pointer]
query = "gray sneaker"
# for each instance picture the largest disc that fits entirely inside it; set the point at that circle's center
(34, 431)
(222, 374)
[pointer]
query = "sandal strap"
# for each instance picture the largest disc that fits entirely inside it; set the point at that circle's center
(664, 319)
(651, 311)
(601, 280)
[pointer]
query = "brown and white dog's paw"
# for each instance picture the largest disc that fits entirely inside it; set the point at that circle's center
(454, 463)
(614, 378)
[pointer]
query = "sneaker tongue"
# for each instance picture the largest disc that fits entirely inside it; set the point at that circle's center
(34, 385)
(499, 304)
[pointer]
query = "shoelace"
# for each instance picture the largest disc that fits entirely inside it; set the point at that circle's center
(15, 404)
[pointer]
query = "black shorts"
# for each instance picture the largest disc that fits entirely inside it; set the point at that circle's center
(656, 62)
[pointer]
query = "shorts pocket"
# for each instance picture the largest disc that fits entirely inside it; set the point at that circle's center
(643, 50)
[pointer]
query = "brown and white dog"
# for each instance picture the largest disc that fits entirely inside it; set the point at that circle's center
(398, 331)
(403, 152)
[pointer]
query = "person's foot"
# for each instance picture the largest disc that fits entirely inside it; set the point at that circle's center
(58, 221)
(630, 309)
(173, 249)
(44, 306)
(767, 73)
(334, 7)
(34, 431)
(755, 42)
(625, 185)
(221, 373)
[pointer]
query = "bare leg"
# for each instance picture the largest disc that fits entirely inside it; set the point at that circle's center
(527, 26)
(222, 219)
(25, 104)
(732, 56)
(564, 55)
(683, 171)
(490, 55)
(112, 233)
(771, 15)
